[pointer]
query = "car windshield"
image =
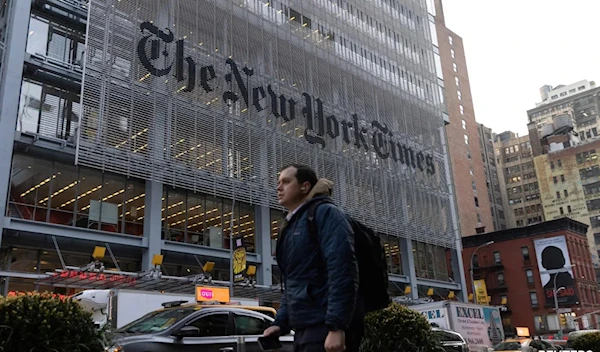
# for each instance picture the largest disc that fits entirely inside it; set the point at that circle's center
(156, 321)
(508, 346)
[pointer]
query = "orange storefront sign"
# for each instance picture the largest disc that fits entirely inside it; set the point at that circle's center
(208, 293)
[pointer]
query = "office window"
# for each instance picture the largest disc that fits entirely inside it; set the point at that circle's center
(534, 299)
(462, 109)
(455, 67)
(561, 210)
(589, 172)
(566, 193)
(552, 165)
(562, 178)
(529, 274)
(466, 139)
(452, 53)
(457, 81)
(569, 209)
(555, 179)
(464, 124)
(474, 186)
(525, 253)
(459, 94)
(557, 195)
(450, 40)
(478, 218)
(497, 259)
(471, 171)
(559, 163)
(476, 202)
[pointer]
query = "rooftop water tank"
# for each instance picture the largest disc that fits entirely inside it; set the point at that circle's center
(562, 121)
(547, 129)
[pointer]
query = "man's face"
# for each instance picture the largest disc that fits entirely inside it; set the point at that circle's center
(290, 193)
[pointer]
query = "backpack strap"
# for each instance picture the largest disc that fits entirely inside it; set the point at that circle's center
(313, 228)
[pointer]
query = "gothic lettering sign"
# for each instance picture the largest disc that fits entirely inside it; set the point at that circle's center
(206, 95)
(153, 51)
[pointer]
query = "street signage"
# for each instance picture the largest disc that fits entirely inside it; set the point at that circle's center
(563, 310)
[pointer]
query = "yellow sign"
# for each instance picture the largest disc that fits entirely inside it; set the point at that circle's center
(522, 332)
(239, 264)
(481, 295)
(207, 293)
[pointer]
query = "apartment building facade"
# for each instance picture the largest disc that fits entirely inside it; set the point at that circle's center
(494, 177)
(570, 187)
(574, 106)
(514, 158)
(514, 268)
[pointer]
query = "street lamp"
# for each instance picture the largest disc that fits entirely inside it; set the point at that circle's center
(235, 189)
(473, 255)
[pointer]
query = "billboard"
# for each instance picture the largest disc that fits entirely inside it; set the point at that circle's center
(479, 325)
(211, 95)
(554, 264)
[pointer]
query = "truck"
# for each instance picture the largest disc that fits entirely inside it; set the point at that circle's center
(119, 307)
(480, 325)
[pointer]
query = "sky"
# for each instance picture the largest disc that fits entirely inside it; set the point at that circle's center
(514, 47)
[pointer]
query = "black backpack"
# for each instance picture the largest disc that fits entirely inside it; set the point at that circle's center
(370, 255)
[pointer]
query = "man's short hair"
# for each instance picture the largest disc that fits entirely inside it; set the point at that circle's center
(304, 173)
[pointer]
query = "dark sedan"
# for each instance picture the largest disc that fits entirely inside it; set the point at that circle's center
(184, 329)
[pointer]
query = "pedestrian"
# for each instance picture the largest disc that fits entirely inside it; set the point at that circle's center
(320, 276)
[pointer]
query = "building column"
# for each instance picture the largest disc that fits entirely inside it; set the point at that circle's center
(457, 262)
(11, 76)
(408, 266)
(152, 223)
(262, 220)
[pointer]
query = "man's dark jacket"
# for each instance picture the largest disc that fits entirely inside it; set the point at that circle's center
(320, 272)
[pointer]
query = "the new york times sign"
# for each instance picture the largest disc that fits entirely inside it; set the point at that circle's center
(153, 48)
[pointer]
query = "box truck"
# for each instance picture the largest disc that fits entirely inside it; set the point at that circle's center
(480, 325)
(120, 307)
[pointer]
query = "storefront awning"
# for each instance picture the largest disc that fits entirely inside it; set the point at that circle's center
(71, 277)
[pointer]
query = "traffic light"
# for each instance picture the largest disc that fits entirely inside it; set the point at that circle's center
(563, 320)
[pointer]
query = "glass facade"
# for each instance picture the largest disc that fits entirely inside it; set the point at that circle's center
(206, 220)
(63, 194)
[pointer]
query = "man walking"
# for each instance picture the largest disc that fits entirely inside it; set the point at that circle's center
(319, 272)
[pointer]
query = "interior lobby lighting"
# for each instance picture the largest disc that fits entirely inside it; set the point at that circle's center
(59, 191)
(133, 199)
(105, 198)
(81, 196)
(182, 212)
(163, 209)
(193, 217)
(38, 185)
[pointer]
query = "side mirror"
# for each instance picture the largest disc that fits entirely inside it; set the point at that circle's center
(187, 331)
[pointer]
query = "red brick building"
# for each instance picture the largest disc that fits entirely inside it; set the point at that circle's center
(468, 168)
(511, 266)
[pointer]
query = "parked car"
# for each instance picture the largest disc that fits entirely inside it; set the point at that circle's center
(198, 329)
(524, 344)
(451, 341)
